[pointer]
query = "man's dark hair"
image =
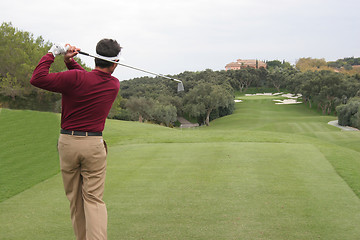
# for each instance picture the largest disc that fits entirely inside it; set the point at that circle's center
(107, 48)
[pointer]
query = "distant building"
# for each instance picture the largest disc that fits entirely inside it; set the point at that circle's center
(240, 64)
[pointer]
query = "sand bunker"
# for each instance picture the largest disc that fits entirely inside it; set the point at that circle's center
(259, 94)
(287, 101)
(289, 95)
(292, 99)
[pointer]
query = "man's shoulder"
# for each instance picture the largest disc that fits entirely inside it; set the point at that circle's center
(116, 82)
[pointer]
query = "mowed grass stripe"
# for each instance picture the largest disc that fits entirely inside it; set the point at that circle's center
(28, 153)
(38, 213)
(346, 162)
(344, 138)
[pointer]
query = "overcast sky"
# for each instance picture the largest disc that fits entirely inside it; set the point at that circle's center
(173, 36)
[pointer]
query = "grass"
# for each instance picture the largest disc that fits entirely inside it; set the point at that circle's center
(266, 172)
(27, 150)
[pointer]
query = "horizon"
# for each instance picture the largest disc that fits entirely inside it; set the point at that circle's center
(170, 37)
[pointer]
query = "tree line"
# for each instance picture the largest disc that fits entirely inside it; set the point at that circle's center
(209, 94)
(206, 97)
(20, 53)
(333, 87)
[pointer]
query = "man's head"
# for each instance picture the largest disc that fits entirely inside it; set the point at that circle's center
(107, 48)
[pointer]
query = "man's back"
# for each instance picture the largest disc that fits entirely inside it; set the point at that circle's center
(86, 96)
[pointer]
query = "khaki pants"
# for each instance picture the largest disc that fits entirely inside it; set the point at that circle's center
(83, 168)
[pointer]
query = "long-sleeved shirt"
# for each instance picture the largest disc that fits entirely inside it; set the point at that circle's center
(86, 96)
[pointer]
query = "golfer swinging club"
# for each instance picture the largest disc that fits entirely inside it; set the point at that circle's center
(86, 101)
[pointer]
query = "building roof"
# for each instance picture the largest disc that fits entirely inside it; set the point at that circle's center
(232, 64)
(245, 63)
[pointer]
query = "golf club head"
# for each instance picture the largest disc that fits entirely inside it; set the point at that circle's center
(180, 87)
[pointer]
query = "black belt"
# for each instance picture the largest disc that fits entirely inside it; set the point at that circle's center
(79, 133)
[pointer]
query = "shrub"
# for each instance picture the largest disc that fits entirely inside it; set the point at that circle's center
(355, 119)
(122, 114)
(349, 114)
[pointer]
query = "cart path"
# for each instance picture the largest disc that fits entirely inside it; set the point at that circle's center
(186, 124)
(344, 128)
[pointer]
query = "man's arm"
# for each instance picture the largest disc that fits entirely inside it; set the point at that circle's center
(55, 82)
(41, 77)
(69, 58)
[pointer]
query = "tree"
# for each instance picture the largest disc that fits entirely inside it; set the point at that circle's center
(311, 64)
(351, 61)
(243, 78)
(9, 86)
(277, 77)
(20, 53)
(326, 89)
(273, 64)
(141, 107)
(165, 114)
(349, 114)
(206, 97)
(150, 109)
(116, 107)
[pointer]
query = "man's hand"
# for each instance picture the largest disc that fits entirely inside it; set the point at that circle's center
(58, 49)
(71, 51)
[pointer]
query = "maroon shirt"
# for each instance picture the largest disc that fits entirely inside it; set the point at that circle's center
(86, 96)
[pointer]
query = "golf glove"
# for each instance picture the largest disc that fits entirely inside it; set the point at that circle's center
(58, 49)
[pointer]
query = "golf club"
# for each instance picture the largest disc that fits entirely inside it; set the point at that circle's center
(180, 83)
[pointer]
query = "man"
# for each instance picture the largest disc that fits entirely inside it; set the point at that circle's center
(86, 101)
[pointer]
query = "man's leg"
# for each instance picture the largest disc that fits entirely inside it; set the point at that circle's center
(72, 179)
(93, 172)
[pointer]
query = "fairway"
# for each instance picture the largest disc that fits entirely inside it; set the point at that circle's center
(228, 191)
(265, 172)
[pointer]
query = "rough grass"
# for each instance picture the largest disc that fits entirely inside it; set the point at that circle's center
(266, 172)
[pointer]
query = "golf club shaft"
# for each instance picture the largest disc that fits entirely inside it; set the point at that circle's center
(135, 68)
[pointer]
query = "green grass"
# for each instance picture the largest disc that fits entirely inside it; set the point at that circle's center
(266, 172)
(28, 154)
